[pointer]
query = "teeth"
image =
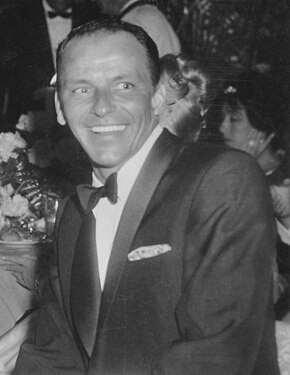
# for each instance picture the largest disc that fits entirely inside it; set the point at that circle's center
(108, 129)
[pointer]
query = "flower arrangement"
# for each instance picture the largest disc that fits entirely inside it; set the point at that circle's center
(35, 171)
(21, 211)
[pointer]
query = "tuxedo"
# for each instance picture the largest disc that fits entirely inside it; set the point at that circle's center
(26, 61)
(188, 288)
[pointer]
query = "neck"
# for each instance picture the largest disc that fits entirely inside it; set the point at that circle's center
(103, 173)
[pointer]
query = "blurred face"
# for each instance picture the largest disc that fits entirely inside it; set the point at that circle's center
(107, 98)
(60, 5)
(235, 127)
(112, 7)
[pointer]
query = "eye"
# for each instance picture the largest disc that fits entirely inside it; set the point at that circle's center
(82, 90)
(235, 117)
(124, 86)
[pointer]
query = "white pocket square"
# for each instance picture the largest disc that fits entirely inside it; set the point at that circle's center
(148, 251)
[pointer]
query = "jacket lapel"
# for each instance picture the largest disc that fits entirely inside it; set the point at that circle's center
(161, 155)
(79, 276)
(68, 231)
(86, 291)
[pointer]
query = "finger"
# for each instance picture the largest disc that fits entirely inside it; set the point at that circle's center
(259, 137)
(259, 141)
(17, 263)
(14, 266)
(19, 277)
(267, 141)
(21, 260)
(252, 134)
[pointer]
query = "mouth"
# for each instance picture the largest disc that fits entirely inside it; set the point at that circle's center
(108, 129)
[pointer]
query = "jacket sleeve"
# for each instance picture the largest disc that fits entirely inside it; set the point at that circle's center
(51, 349)
(225, 313)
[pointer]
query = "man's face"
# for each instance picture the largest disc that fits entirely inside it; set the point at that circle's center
(107, 97)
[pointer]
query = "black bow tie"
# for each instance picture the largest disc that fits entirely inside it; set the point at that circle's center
(53, 14)
(89, 195)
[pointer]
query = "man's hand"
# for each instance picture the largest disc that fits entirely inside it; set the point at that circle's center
(24, 268)
(281, 202)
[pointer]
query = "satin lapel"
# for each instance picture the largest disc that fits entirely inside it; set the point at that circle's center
(69, 228)
(156, 164)
(85, 284)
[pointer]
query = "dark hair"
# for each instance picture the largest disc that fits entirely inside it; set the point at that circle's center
(262, 99)
(111, 24)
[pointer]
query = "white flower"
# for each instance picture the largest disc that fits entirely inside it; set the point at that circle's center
(15, 206)
(26, 122)
(6, 191)
(9, 142)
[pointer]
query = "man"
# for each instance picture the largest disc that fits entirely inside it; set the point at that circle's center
(145, 13)
(173, 274)
(30, 33)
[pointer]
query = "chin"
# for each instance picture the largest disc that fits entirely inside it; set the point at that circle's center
(107, 162)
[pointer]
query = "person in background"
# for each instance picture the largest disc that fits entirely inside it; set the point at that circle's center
(147, 15)
(183, 85)
(164, 268)
(30, 31)
(252, 119)
(178, 87)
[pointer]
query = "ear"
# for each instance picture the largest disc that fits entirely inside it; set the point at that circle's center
(158, 99)
(60, 117)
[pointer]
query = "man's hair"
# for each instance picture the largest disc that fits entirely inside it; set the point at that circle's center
(111, 25)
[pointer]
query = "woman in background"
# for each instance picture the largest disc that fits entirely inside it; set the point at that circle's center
(184, 86)
(252, 119)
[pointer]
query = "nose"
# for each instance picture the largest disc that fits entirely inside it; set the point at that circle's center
(225, 125)
(103, 104)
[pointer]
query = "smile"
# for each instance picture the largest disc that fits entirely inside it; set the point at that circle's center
(108, 129)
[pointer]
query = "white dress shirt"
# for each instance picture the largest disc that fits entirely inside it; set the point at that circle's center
(58, 28)
(107, 214)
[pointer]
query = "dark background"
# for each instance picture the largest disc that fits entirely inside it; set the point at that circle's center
(226, 35)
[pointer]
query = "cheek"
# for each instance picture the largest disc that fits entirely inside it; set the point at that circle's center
(74, 114)
(240, 134)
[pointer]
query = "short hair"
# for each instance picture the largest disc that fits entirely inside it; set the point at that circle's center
(111, 25)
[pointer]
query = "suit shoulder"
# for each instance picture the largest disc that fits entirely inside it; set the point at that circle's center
(206, 156)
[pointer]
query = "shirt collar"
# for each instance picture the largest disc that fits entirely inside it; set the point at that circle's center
(128, 173)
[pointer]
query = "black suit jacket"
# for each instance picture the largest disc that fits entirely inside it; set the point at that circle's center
(204, 307)
(25, 54)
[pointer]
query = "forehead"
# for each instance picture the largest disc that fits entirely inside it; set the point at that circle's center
(233, 107)
(104, 50)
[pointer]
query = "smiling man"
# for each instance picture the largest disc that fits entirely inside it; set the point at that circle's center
(171, 273)
(109, 103)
